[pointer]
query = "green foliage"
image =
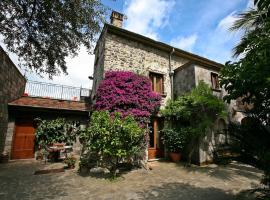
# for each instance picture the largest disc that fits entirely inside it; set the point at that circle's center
(175, 139)
(252, 142)
(248, 78)
(56, 131)
(113, 138)
(43, 33)
(192, 114)
(70, 161)
(199, 108)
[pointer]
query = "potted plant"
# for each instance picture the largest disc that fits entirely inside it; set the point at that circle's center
(174, 141)
(84, 166)
(70, 161)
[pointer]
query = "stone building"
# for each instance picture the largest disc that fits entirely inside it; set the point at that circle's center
(173, 72)
(12, 84)
(21, 101)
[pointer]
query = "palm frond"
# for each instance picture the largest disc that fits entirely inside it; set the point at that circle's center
(249, 20)
(262, 4)
(240, 47)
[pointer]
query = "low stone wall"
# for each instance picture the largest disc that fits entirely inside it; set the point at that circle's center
(12, 85)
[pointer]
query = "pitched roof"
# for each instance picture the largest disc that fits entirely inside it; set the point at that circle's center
(159, 45)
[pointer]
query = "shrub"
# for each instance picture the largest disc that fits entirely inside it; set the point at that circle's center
(175, 139)
(56, 131)
(251, 140)
(70, 161)
(113, 138)
(129, 94)
(193, 113)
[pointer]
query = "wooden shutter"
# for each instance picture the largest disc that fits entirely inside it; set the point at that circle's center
(157, 82)
(214, 80)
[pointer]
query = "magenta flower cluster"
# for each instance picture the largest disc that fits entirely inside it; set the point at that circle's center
(127, 93)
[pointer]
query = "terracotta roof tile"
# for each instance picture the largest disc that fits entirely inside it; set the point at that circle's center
(51, 103)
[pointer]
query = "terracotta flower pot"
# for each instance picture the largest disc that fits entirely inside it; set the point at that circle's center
(175, 157)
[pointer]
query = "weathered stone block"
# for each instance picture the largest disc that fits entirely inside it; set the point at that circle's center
(12, 84)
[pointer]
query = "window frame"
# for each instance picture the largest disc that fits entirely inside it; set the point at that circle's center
(215, 81)
(153, 77)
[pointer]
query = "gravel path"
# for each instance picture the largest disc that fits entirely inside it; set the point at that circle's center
(165, 181)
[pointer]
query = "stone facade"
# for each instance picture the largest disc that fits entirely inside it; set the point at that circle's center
(184, 79)
(187, 78)
(203, 73)
(131, 52)
(118, 53)
(12, 84)
(9, 135)
(98, 65)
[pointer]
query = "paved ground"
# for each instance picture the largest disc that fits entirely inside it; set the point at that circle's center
(165, 181)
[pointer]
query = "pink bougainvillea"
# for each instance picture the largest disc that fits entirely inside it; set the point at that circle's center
(127, 93)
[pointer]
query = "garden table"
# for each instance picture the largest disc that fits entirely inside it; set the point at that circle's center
(60, 148)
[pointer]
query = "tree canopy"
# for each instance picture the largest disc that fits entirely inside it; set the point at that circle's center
(113, 139)
(43, 33)
(249, 77)
(249, 80)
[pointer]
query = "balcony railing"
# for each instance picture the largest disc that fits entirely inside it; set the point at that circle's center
(55, 91)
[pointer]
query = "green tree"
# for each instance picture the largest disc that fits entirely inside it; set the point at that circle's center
(43, 32)
(249, 77)
(249, 80)
(192, 114)
(113, 138)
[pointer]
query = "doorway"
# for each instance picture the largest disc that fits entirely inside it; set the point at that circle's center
(23, 140)
(155, 145)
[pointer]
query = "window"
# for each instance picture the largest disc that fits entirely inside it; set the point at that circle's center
(157, 82)
(215, 81)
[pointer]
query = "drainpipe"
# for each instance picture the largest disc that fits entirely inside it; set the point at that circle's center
(171, 72)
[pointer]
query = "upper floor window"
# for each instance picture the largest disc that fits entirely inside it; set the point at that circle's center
(215, 81)
(157, 82)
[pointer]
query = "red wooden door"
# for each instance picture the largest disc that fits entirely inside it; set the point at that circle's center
(155, 146)
(23, 140)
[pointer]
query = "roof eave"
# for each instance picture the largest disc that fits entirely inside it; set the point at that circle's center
(160, 45)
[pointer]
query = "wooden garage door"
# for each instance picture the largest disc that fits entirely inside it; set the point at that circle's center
(23, 140)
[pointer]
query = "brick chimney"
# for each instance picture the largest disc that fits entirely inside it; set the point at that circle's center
(117, 19)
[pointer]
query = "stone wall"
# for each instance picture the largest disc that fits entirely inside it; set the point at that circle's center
(12, 84)
(184, 80)
(204, 74)
(119, 53)
(9, 135)
(98, 65)
(212, 141)
(128, 55)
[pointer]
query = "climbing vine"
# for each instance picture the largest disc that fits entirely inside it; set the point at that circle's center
(192, 114)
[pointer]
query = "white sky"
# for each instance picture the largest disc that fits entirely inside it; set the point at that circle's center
(78, 68)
